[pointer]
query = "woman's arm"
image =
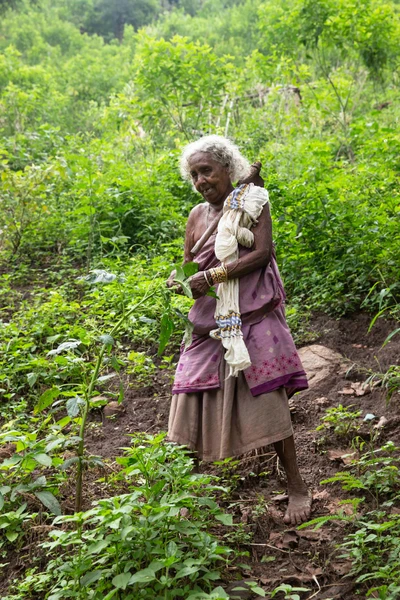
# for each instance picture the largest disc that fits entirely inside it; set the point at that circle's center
(188, 245)
(192, 222)
(256, 259)
(261, 250)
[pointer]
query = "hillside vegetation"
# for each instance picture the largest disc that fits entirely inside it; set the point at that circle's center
(97, 100)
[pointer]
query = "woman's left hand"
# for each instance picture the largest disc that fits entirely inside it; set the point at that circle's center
(198, 285)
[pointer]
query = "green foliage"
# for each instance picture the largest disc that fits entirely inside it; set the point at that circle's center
(374, 552)
(376, 472)
(288, 591)
(373, 544)
(180, 85)
(152, 541)
(93, 115)
(389, 381)
(343, 421)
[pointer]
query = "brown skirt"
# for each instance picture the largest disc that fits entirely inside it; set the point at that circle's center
(229, 421)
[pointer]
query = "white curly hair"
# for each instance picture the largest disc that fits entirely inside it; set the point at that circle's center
(222, 150)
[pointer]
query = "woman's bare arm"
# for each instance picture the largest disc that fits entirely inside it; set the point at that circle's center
(257, 258)
(261, 250)
(193, 224)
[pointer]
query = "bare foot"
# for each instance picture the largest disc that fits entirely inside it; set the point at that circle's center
(299, 506)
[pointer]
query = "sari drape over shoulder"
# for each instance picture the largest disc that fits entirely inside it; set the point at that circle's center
(274, 359)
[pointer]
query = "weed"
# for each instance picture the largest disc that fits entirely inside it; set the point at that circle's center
(389, 381)
(151, 543)
(373, 547)
(290, 592)
(376, 472)
(374, 550)
(341, 420)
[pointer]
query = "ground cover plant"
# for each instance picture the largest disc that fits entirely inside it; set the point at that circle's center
(96, 101)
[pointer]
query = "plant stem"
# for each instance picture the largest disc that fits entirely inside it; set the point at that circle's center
(88, 395)
(81, 447)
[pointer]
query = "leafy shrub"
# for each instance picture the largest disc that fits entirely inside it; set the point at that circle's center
(152, 543)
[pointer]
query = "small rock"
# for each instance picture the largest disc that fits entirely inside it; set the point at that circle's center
(113, 409)
(319, 362)
(369, 417)
(321, 401)
(381, 423)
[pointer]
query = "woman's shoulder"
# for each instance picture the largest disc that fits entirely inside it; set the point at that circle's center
(198, 210)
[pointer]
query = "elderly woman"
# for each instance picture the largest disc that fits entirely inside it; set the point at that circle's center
(232, 383)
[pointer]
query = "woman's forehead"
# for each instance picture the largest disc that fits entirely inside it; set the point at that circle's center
(202, 159)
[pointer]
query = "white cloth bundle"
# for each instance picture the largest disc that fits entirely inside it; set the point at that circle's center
(241, 211)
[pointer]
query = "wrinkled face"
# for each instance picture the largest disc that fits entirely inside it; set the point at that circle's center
(210, 177)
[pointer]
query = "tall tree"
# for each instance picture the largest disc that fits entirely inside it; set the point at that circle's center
(109, 17)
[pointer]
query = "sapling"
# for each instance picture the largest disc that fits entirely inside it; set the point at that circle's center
(107, 342)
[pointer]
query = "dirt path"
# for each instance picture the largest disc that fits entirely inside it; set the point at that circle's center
(278, 554)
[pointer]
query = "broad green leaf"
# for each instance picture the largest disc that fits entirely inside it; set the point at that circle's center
(186, 571)
(167, 328)
(46, 399)
(64, 422)
(97, 547)
(172, 549)
(43, 459)
(106, 339)
(180, 274)
(1, 500)
(121, 581)
(32, 378)
(72, 405)
(143, 576)
(39, 482)
(49, 501)
(90, 578)
(219, 593)
(11, 535)
(224, 518)
(190, 268)
(257, 590)
(21, 509)
(186, 289)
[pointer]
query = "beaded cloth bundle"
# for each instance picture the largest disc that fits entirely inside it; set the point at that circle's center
(241, 211)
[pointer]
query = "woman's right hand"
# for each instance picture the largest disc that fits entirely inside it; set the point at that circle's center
(174, 285)
(171, 279)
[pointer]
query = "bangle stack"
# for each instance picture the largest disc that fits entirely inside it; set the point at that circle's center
(206, 278)
(219, 274)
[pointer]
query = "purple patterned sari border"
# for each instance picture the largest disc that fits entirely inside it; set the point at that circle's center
(194, 390)
(298, 380)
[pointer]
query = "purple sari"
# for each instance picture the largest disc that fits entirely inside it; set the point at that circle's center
(275, 362)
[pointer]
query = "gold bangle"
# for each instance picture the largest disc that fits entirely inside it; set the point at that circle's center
(219, 274)
(206, 278)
